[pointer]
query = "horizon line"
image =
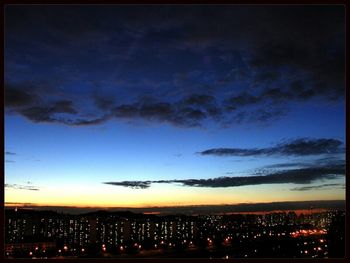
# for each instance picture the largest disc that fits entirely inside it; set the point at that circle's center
(14, 204)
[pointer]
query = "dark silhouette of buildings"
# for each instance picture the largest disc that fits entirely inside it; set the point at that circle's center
(31, 233)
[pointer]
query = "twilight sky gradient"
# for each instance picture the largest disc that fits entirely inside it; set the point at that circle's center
(154, 105)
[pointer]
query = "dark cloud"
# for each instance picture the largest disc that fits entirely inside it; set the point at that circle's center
(298, 147)
(268, 106)
(195, 66)
(104, 102)
(306, 146)
(318, 187)
(199, 99)
(16, 97)
(285, 165)
(46, 113)
(126, 111)
(297, 176)
(267, 76)
(22, 187)
(37, 108)
(294, 176)
(52, 113)
(330, 160)
(259, 116)
(160, 111)
(179, 113)
(324, 162)
(325, 72)
(243, 99)
(132, 184)
(84, 122)
(154, 112)
(297, 91)
(279, 54)
(276, 94)
(63, 106)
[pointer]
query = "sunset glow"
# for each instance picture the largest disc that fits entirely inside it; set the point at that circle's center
(135, 106)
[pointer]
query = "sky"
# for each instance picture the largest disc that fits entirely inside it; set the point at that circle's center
(171, 105)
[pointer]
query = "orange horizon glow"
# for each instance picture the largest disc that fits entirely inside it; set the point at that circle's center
(88, 196)
(297, 211)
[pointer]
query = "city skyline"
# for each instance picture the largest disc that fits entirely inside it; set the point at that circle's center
(101, 234)
(141, 106)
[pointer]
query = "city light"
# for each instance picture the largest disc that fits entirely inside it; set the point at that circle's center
(208, 229)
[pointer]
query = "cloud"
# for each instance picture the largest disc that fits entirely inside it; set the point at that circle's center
(298, 147)
(297, 176)
(84, 122)
(187, 113)
(318, 187)
(285, 165)
(199, 99)
(243, 99)
(294, 176)
(16, 97)
(46, 113)
(195, 67)
(132, 184)
(103, 102)
(52, 112)
(22, 187)
(297, 91)
(259, 116)
(313, 61)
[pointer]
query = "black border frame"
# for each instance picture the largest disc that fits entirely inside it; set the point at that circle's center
(172, 2)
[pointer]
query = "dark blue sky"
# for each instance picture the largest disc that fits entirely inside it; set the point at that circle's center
(159, 103)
